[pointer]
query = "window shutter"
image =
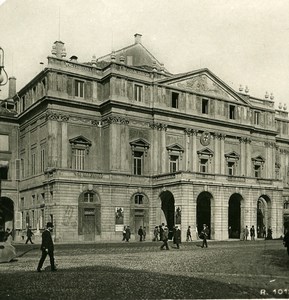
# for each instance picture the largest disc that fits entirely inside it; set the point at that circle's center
(17, 166)
(18, 220)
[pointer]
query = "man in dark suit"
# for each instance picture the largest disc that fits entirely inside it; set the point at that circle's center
(47, 247)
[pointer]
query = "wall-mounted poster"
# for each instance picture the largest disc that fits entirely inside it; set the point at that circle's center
(119, 216)
(178, 215)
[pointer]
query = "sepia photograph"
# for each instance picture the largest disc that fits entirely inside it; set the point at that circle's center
(144, 149)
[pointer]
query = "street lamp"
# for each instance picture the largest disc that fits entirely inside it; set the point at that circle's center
(3, 74)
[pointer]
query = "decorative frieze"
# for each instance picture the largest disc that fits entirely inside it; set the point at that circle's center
(54, 116)
(158, 126)
(190, 131)
(245, 140)
(117, 120)
(270, 144)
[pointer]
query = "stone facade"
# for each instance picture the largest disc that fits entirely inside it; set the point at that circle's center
(121, 141)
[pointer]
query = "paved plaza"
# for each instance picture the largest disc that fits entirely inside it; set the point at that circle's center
(135, 270)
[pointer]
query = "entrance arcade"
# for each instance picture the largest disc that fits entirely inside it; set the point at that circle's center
(168, 208)
(6, 215)
(204, 211)
(234, 216)
(263, 215)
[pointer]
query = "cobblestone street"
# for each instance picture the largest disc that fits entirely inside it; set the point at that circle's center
(137, 270)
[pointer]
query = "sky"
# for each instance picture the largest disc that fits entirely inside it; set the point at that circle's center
(241, 42)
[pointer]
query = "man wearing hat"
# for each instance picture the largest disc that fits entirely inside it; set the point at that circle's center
(47, 247)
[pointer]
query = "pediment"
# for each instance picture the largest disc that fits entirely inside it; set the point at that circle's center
(205, 152)
(206, 83)
(258, 159)
(175, 147)
(80, 140)
(140, 143)
(232, 155)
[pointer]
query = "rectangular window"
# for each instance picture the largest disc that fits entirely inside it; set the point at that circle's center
(204, 165)
(232, 112)
(22, 168)
(138, 163)
(257, 171)
(79, 155)
(138, 93)
(257, 118)
(4, 168)
(42, 160)
(79, 89)
(174, 163)
(231, 168)
(4, 142)
(33, 201)
(175, 100)
(22, 203)
(205, 106)
(33, 164)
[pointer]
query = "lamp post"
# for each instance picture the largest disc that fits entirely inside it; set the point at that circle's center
(3, 74)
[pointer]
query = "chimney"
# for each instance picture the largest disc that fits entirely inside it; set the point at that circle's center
(137, 38)
(58, 49)
(12, 87)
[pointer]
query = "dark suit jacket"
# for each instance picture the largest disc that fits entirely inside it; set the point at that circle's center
(47, 242)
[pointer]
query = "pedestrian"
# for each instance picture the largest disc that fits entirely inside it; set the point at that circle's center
(204, 235)
(165, 239)
(230, 231)
(252, 233)
(286, 240)
(144, 233)
(123, 233)
(127, 233)
(156, 234)
(264, 232)
(47, 247)
(29, 235)
(7, 234)
(162, 226)
(269, 233)
(140, 233)
(245, 233)
(189, 234)
(177, 237)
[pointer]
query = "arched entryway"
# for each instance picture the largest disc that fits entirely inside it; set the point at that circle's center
(168, 208)
(263, 215)
(234, 216)
(204, 211)
(89, 221)
(6, 215)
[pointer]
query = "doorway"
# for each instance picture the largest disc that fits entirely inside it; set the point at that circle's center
(204, 211)
(234, 217)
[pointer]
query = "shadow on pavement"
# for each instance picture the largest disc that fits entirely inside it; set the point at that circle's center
(117, 283)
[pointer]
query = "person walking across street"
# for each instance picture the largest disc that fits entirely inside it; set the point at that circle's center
(252, 233)
(189, 234)
(144, 233)
(156, 234)
(47, 247)
(165, 239)
(29, 235)
(177, 237)
(204, 235)
(140, 233)
(245, 233)
(127, 233)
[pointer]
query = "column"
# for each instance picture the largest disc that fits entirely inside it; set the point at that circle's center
(242, 157)
(248, 158)
(217, 153)
(222, 153)
(164, 162)
(63, 142)
(188, 150)
(194, 151)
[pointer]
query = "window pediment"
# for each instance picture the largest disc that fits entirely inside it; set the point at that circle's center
(175, 148)
(259, 160)
(139, 145)
(205, 152)
(80, 140)
(232, 156)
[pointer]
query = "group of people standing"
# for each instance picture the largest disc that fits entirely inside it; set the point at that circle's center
(267, 235)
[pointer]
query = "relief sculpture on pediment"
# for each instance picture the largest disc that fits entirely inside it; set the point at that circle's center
(203, 84)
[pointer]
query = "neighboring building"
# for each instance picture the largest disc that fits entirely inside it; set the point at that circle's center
(121, 141)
